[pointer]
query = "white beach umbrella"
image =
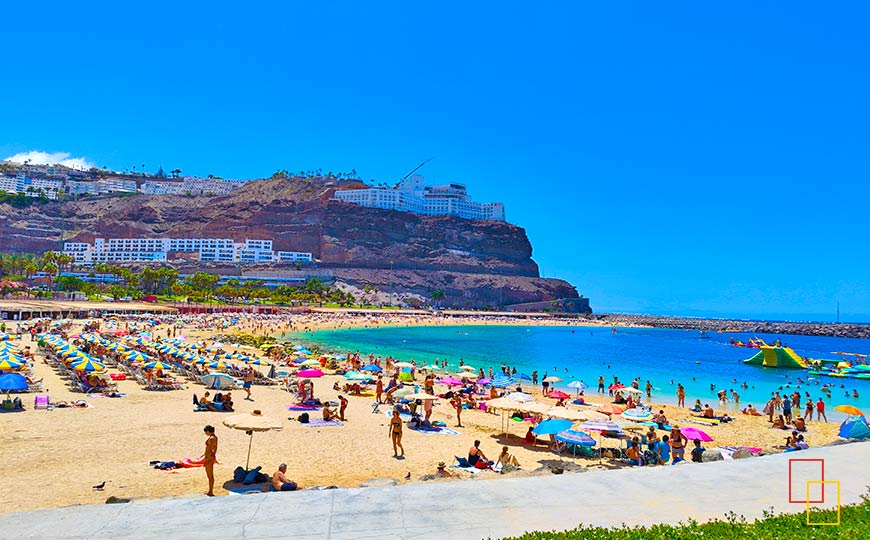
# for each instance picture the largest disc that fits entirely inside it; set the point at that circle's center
(551, 379)
(249, 423)
(519, 397)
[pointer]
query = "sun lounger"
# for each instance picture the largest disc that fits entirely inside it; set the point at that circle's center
(319, 422)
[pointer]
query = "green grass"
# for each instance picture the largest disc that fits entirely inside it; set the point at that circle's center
(854, 524)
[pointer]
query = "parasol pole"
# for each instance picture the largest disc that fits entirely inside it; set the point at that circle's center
(250, 441)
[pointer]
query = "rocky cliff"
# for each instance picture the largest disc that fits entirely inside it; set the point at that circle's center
(299, 216)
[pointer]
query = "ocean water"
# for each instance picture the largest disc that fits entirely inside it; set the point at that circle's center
(664, 357)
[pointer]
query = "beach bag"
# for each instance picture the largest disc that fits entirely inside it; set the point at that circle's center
(239, 475)
(251, 476)
(195, 400)
(303, 418)
(261, 477)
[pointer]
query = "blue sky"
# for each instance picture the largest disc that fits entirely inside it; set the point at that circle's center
(681, 159)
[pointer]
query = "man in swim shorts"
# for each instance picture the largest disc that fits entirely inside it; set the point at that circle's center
(281, 483)
(248, 381)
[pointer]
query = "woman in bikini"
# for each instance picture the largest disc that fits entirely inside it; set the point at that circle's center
(396, 433)
(210, 457)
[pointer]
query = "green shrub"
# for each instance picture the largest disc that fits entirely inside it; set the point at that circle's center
(854, 524)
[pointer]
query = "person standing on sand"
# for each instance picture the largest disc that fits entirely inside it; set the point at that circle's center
(396, 433)
(248, 381)
(210, 457)
(457, 404)
(343, 405)
(820, 410)
(379, 388)
(681, 395)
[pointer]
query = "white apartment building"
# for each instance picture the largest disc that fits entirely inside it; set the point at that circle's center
(189, 185)
(158, 249)
(117, 185)
(31, 186)
(293, 256)
(79, 187)
(411, 195)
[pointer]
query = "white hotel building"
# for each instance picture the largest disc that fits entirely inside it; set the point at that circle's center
(158, 249)
(411, 195)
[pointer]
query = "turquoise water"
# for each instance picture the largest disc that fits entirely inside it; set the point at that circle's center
(658, 355)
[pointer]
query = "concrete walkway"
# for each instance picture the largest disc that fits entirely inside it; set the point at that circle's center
(459, 510)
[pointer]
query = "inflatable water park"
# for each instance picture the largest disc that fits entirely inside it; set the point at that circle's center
(849, 366)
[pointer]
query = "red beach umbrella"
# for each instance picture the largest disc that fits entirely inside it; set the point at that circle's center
(558, 394)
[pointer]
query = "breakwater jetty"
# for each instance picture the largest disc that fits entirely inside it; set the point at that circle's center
(847, 330)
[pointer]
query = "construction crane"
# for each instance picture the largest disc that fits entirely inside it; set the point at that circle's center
(415, 169)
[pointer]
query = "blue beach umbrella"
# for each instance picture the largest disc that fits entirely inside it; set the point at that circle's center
(502, 382)
(372, 367)
(13, 382)
(579, 438)
(552, 427)
(524, 377)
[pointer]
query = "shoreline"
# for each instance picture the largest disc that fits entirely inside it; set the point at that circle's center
(114, 439)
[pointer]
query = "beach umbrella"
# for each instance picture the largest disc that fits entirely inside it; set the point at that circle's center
(450, 381)
(579, 385)
(467, 375)
(311, 373)
(695, 434)
(9, 363)
(201, 360)
(217, 365)
(309, 362)
(467, 368)
(852, 428)
(218, 381)
(637, 414)
(156, 364)
(524, 376)
(135, 356)
(519, 397)
(849, 409)
(500, 381)
(421, 395)
(570, 414)
(551, 427)
(533, 407)
(599, 425)
(4, 337)
(357, 376)
(632, 390)
(249, 423)
(485, 380)
(579, 438)
(610, 409)
(558, 394)
(552, 379)
(87, 364)
(403, 364)
(260, 362)
(372, 367)
(13, 382)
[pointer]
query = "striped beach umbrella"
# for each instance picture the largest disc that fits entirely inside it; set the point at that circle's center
(157, 364)
(260, 362)
(10, 363)
(201, 360)
(4, 336)
(217, 365)
(87, 364)
(572, 436)
(135, 356)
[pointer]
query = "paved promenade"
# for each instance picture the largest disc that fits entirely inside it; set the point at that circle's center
(459, 510)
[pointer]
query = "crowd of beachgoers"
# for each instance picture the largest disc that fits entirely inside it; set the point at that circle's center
(154, 395)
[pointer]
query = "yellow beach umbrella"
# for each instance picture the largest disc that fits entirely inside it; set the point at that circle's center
(87, 364)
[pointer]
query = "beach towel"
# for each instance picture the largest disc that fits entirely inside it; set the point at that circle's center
(302, 408)
(403, 416)
(703, 421)
(435, 431)
(320, 422)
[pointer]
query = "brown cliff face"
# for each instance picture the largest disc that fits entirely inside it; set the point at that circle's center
(299, 216)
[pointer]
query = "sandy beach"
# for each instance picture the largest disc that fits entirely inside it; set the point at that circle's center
(54, 457)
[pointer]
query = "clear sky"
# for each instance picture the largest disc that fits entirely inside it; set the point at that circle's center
(678, 158)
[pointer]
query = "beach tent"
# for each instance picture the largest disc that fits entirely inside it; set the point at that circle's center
(854, 427)
(776, 357)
